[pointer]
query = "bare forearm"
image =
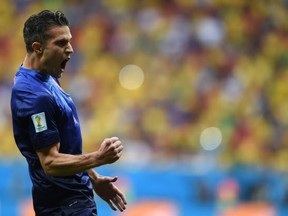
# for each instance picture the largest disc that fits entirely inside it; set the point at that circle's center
(58, 164)
(66, 164)
(93, 175)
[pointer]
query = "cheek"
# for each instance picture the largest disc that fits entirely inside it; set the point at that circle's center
(51, 52)
(50, 58)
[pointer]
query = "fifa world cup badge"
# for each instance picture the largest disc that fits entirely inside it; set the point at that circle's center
(39, 121)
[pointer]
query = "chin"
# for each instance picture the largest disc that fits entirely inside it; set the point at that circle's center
(57, 75)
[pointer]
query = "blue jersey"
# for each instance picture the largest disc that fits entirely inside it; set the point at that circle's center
(43, 114)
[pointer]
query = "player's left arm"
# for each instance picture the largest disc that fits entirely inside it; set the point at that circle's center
(105, 188)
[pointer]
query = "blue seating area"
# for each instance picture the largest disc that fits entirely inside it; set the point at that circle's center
(192, 194)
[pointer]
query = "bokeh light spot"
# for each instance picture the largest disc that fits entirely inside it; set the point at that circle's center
(131, 77)
(210, 138)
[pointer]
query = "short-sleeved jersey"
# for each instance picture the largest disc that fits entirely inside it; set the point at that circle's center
(43, 114)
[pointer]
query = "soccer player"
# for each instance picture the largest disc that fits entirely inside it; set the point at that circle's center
(47, 130)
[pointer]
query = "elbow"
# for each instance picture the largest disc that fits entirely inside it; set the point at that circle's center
(48, 169)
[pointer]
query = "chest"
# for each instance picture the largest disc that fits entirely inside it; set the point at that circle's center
(66, 108)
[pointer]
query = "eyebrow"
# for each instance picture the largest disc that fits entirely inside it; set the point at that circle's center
(64, 39)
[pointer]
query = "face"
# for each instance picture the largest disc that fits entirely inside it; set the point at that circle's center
(56, 51)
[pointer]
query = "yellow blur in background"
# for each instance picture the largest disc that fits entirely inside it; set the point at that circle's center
(196, 82)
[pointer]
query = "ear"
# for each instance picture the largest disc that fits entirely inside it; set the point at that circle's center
(37, 47)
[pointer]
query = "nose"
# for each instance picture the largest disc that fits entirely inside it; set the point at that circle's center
(69, 48)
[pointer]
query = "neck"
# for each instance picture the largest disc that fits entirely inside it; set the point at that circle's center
(31, 62)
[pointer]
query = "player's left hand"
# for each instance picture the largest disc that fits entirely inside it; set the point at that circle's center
(105, 189)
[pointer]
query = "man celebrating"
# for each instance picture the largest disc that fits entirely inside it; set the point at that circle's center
(47, 130)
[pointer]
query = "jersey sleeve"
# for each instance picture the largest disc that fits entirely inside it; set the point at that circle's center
(43, 129)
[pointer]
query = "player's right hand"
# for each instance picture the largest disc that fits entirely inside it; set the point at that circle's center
(110, 150)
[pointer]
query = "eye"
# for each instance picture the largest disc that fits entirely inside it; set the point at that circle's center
(62, 43)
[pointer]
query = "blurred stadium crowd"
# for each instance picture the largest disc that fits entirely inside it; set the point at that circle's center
(207, 63)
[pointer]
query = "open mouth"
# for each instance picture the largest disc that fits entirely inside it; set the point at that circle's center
(63, 64)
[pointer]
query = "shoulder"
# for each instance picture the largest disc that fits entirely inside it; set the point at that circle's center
(26, 84)
(30, 93)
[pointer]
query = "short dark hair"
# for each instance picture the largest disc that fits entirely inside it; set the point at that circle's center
(36, 27)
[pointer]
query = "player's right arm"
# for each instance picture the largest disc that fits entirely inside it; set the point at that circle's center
(55, 163)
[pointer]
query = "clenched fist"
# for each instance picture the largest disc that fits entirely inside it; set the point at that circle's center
(110, 150)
